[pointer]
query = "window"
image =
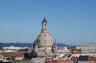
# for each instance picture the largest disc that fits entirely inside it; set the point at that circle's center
(45, 40)
(44, 35)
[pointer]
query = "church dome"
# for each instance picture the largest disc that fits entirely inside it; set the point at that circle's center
(45, 40)
(43, 46)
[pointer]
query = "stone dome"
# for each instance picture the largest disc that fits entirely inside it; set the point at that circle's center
(45, 39)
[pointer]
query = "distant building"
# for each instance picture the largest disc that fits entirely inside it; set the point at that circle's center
(63, 50)
(44, 44)
(1, 58)
(89, 48)
(75, 50)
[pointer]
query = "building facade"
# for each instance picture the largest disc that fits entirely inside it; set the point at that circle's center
(89, 48)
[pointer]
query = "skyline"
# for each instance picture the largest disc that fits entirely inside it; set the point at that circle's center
(71, 21)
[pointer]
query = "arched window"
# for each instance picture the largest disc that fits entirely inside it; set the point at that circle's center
(45, 40)
(44, 35)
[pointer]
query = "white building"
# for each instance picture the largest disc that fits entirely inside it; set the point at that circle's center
(89, 48)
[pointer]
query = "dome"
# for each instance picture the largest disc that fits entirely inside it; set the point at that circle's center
(44, 44)
(45, 38)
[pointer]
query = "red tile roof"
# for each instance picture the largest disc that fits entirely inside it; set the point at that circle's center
(12, 54)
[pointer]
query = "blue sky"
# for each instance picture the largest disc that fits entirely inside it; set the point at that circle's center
(69, 21)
